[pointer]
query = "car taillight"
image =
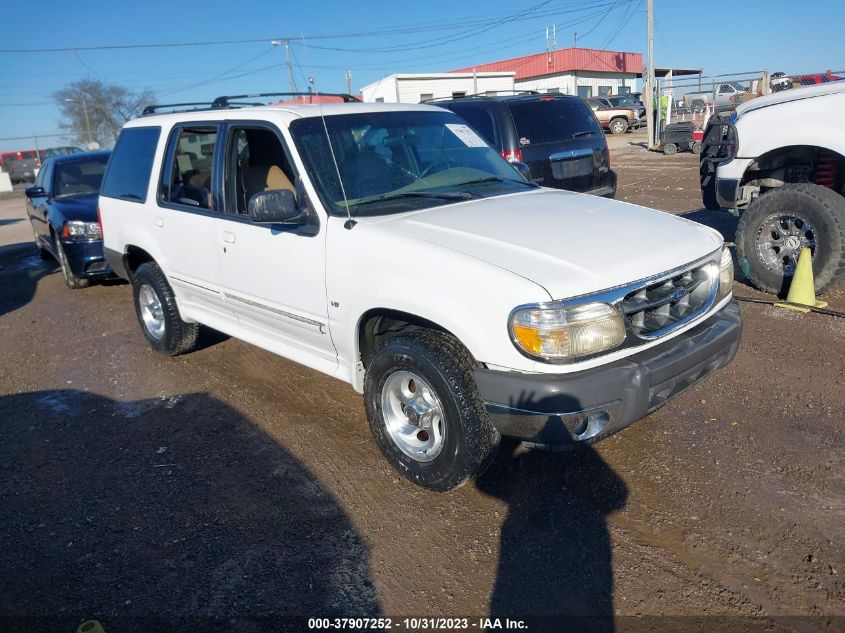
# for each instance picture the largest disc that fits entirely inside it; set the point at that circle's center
(607, 157)
(513, 156)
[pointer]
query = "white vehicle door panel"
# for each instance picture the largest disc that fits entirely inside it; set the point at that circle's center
(275, 284)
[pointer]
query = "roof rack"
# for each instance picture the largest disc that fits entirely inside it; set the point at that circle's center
(483, 95)
(225, 101)
(155, 107)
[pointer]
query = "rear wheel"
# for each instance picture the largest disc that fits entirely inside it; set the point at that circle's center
(670, 148)
(425, 412)
(71, 281)
(696, 147)
(618, 126)
(778, 224)
(158, 314)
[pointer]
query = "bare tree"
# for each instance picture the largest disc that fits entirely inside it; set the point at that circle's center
(91, 106)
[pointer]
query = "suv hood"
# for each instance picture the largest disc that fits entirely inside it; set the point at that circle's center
(571, 244)
(794, 94)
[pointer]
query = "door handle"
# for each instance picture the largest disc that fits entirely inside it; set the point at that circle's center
(228, 237)
(158, 222)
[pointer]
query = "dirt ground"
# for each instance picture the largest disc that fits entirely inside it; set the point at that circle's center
(229, 485)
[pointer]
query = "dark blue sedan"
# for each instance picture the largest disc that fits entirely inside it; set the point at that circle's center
(62, 208)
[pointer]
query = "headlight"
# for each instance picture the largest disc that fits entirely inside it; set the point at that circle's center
(565, 333)
(81, 230)
(726, 274)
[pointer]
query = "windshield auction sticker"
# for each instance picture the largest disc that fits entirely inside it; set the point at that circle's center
(465, 133)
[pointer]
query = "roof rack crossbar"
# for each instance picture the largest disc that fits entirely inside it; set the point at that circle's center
(483, 94)
(155, 107)
(226, 100)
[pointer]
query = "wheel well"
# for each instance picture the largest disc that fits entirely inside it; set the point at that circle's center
(797, 164)
(380, 324)
(134, 257)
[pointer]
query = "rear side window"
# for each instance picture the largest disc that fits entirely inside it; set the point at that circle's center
(551, 120)
(480, 120)
(128, 173)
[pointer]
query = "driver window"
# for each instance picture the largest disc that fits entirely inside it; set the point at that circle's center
(257, 162)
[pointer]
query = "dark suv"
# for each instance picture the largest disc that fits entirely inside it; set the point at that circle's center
(557, 136)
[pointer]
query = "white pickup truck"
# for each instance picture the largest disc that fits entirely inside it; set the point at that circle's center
(779, 160)
(390, 247)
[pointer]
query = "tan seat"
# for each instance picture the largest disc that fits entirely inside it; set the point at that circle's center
(265, 178)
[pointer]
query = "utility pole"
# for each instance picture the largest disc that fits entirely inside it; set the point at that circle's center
(649, 78)
(348, 81)
(575, 40)
(84, 103)
(290, 66)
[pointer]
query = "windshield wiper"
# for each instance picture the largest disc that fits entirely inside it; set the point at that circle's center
(478, 181)
(445, 195)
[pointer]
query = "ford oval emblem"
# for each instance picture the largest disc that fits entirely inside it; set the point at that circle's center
(679, 294)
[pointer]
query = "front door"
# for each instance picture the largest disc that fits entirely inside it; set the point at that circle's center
(274, 275)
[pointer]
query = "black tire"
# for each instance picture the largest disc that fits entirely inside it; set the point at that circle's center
(618, 125)
(824, 210)
(670, 148)
(696, 147)
(469, 440)
(71, 281)
(178, 336)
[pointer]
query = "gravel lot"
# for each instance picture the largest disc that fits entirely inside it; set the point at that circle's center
(229, 484)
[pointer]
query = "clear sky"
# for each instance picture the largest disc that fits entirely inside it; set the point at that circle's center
(377, 39)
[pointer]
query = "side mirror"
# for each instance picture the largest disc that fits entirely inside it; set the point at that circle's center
(277, 206)
(523, 169)
(33, 192)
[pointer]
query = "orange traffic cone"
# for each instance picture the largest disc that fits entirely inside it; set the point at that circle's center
(802, 289)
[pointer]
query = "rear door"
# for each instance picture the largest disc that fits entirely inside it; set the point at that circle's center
(185, 223)
(562, 142)
(37, 205)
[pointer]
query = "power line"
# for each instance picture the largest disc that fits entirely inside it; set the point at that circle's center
(451, 25)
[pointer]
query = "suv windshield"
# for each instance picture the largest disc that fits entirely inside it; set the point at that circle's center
(552, 120)
(79, 176)
(391, 162)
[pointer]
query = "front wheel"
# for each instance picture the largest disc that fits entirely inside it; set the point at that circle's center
(425, 412)
(71, 281)
(778, 224)
(618, 126)
(158, 314)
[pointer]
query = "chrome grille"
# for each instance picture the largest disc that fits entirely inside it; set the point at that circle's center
(653, 309)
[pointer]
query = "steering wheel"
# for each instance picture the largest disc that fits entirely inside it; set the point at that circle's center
(446, 163)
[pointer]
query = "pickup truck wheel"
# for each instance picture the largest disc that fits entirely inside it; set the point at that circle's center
(155, 306)
(425, 412)
(618, 126)
(71, 281)
(778, 224)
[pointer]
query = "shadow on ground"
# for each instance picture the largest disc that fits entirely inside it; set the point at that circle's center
(177, 507)
(722, 221)
(21, 268)
(555, 555)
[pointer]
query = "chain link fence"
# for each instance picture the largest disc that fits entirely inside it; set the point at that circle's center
(695, 99)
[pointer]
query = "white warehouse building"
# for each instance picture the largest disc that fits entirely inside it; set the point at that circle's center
(575, 71)
(419, 87)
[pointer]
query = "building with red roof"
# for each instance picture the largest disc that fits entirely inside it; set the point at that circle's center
(582, 71)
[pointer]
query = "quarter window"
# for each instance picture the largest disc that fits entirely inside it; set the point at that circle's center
(128, 173)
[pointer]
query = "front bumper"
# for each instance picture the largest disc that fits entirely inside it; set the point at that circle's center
(565, 410)
(86, 258)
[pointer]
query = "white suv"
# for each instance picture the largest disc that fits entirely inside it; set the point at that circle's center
(390, 247)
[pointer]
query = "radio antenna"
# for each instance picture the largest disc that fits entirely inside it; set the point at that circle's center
(349, 221)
